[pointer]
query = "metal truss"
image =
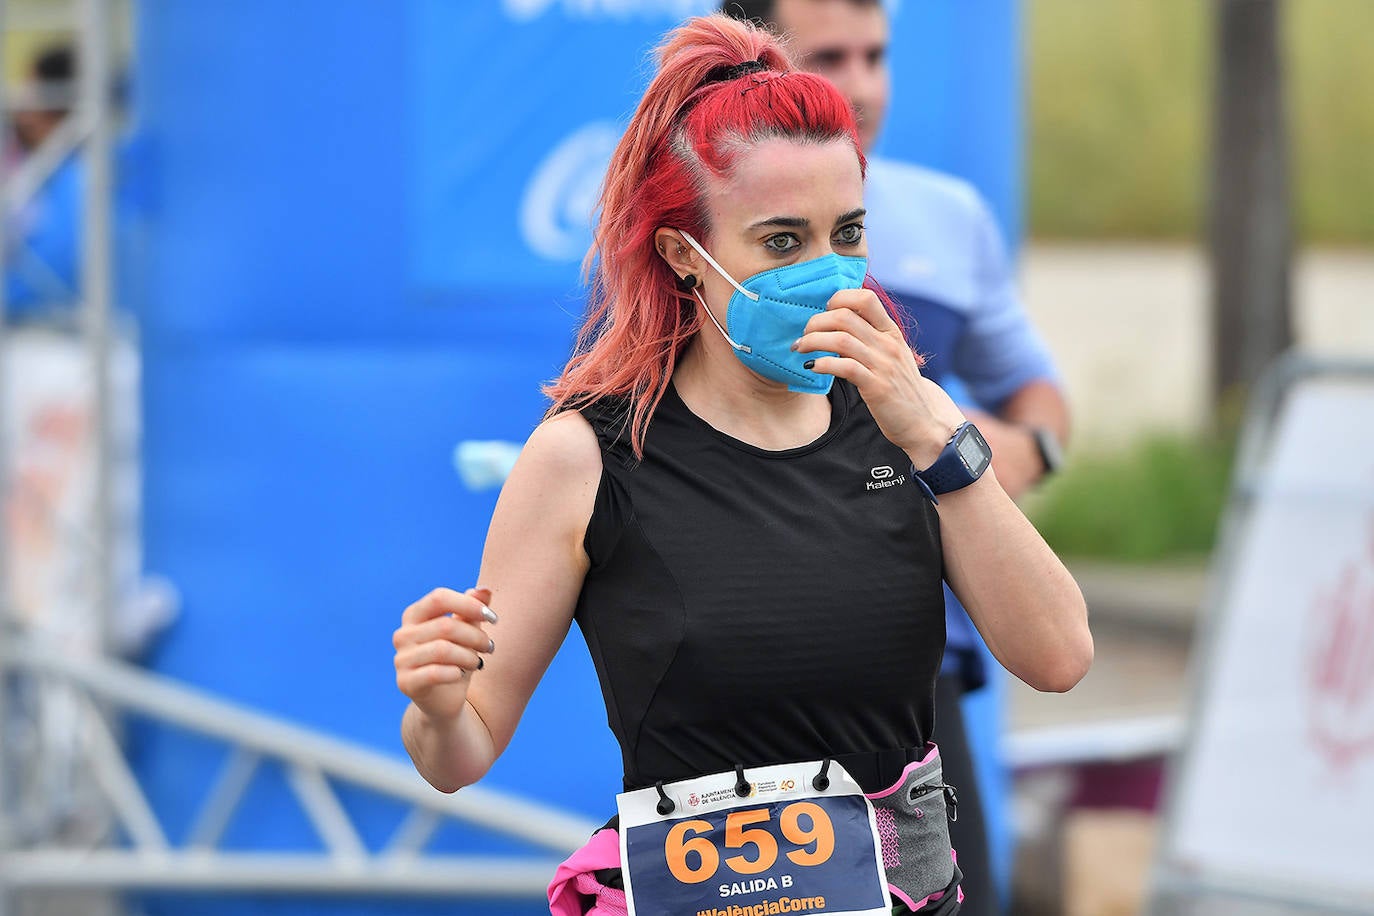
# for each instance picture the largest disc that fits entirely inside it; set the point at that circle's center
(314, 764)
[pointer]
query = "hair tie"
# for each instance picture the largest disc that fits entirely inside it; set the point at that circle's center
(724, 73)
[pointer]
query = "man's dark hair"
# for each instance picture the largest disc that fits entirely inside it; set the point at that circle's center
(56, 64)
(762, 10)
(53, 71)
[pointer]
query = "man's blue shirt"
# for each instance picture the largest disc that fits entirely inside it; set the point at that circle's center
(934, 245)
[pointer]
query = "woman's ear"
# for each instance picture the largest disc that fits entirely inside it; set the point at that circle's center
(681, 257)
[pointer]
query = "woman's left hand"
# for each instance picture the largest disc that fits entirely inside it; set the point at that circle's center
(913, 412)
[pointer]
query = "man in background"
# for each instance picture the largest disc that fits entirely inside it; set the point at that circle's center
(42, 243)
(47, 97)
(934, 245)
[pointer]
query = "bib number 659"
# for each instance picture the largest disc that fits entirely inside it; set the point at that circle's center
(814, 839)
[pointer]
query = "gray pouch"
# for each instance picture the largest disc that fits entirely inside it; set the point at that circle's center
(913, 823)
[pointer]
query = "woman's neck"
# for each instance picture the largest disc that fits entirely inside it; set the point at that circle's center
(721, 390)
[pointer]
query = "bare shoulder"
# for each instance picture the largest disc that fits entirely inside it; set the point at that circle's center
(555, 479)
(564, 445)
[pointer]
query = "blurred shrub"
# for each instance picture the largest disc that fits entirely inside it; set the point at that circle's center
(1161, 500)
(1119, 107)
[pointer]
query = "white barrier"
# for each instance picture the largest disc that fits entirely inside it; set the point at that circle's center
(1271, 799)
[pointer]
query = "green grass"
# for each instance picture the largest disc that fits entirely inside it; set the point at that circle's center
(1119, 96)
(1161, 500)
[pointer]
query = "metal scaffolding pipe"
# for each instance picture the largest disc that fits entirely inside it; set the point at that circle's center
(278, 873)
(38, 166)
(6, 752)
(219, 807)
(97, 288)
(326, 813)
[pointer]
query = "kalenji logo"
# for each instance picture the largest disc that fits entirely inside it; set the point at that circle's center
(1340, 663)
(883, 478)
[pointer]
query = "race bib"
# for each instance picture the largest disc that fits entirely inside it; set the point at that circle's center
(785, 847)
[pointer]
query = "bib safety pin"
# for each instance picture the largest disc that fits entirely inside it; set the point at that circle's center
(822, 780)
(741, 784)
(665, 804)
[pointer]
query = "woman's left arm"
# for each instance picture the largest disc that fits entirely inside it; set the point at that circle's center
(1023, 601)
(1017, 592)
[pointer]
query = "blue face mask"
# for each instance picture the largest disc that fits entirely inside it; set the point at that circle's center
(769, 311)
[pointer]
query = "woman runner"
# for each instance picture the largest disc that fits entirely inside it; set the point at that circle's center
(747, 496)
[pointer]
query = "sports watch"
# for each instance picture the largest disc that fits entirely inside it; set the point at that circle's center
(964, 459)
(1051, 452)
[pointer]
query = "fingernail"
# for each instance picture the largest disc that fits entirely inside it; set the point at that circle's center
(809, 364)
(481, 663)
(794, 345)
(488, 614)
(491, 645)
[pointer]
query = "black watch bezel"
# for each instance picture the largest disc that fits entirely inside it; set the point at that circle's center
(962, 461)
(966, 435)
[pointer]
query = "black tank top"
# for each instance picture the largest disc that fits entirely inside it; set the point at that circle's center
(752, 607)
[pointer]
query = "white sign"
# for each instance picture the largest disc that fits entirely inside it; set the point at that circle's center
(1276, 790)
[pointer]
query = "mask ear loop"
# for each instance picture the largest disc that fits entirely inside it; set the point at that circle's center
(728, 339)
(753, 297)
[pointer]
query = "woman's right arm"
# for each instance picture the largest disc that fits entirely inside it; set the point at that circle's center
(460, 720)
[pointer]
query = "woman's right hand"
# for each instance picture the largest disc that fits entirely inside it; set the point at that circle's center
(439, 647)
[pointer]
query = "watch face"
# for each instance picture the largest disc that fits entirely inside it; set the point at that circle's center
(973, 449)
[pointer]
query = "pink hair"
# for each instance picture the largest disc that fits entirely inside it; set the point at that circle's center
(691, 124)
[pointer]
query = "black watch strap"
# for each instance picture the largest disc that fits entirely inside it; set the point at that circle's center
(1051, 452)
